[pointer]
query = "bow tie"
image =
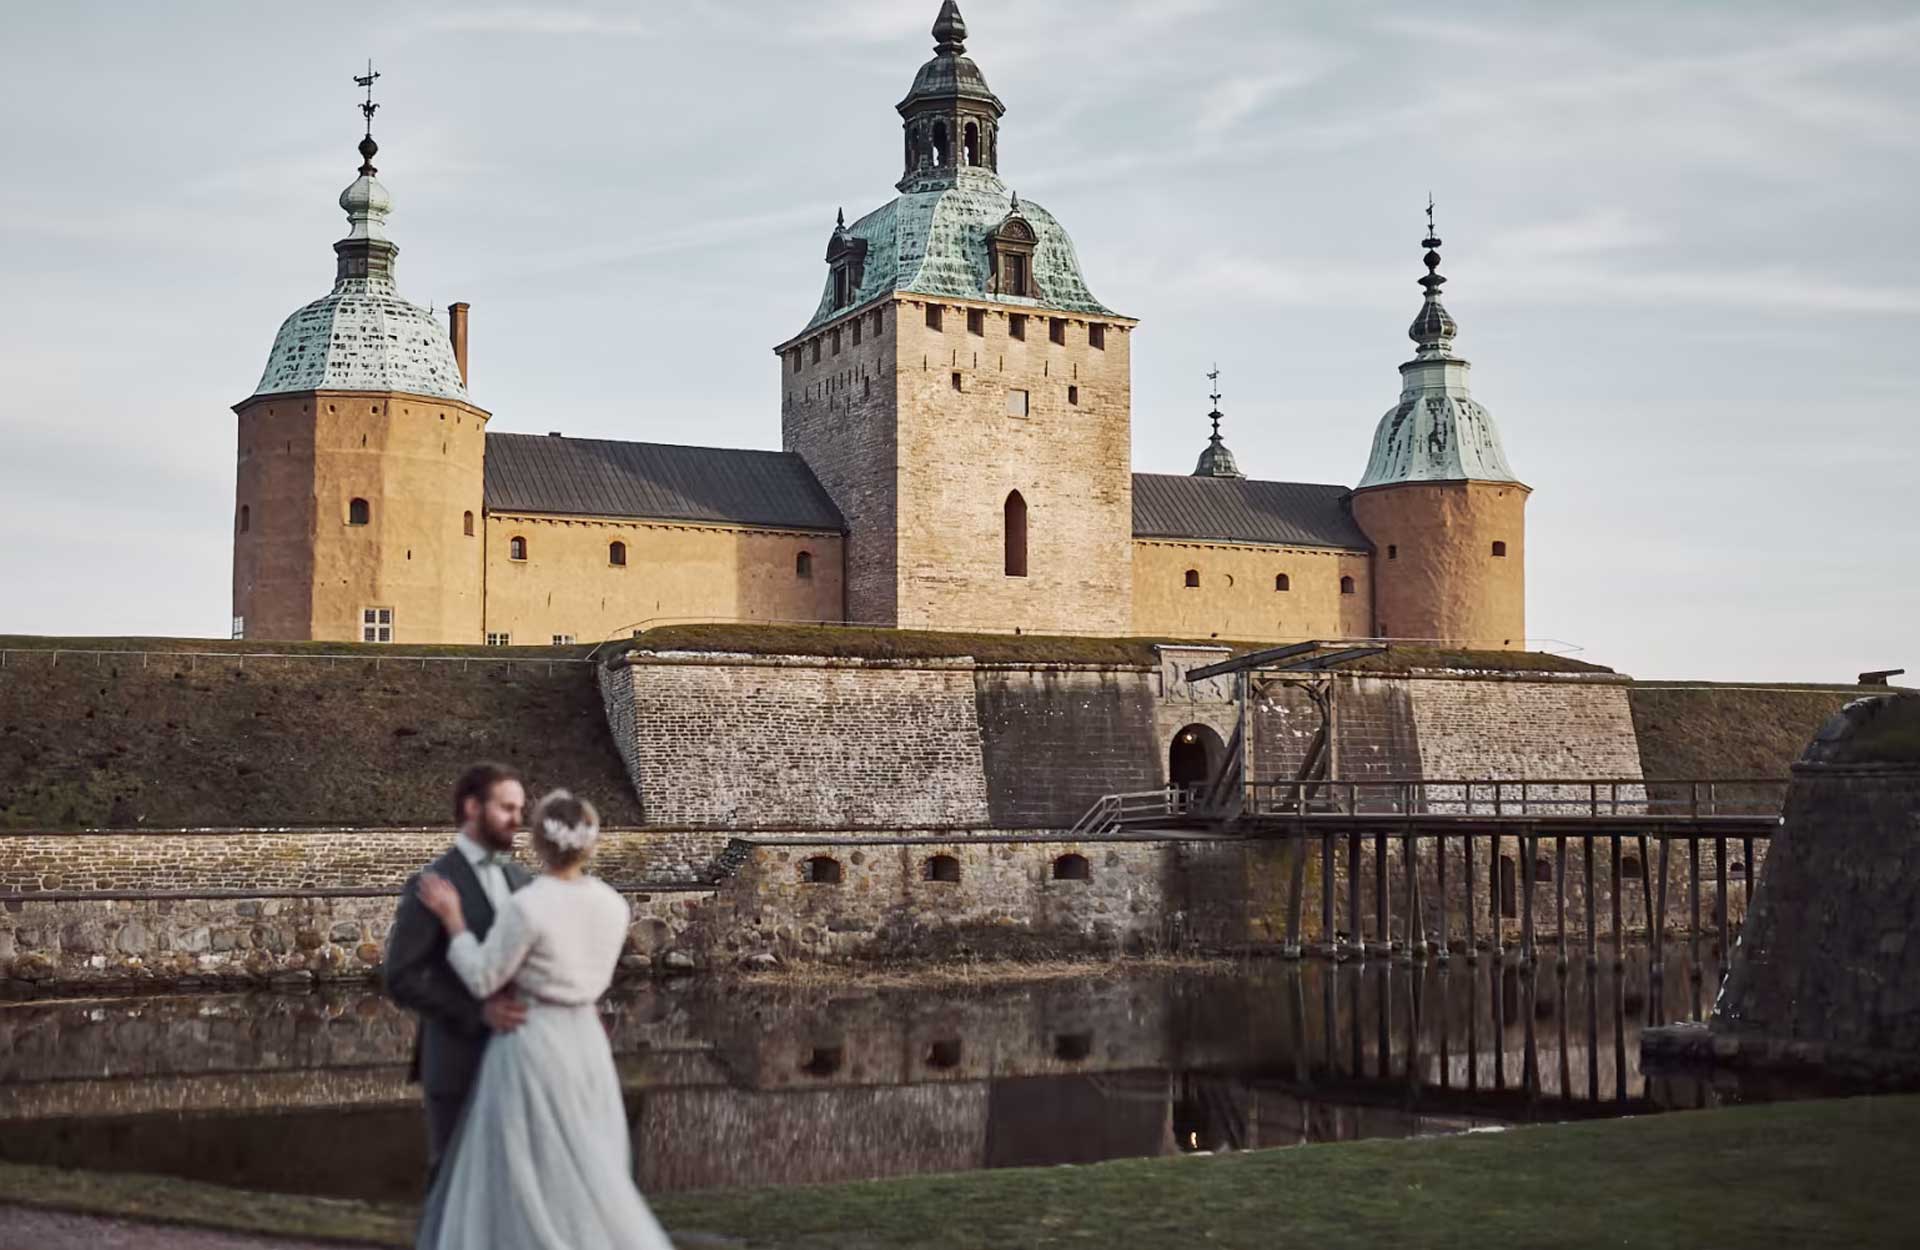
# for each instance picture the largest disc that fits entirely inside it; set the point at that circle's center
(494, 859)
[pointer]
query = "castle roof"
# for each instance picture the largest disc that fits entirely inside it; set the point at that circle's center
(932, 240)
(1237, 510)
(362, 336)
(655, 481)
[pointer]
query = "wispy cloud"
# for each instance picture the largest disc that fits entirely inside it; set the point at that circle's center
(536, 21)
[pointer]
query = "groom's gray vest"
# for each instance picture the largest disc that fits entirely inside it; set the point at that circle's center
(452, 1035)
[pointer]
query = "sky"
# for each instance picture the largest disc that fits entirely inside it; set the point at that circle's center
(1680, 240)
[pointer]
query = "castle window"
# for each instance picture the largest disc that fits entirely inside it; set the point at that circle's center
(1282, 582)
(1015, 519)
(376, 625)
(940, 145)
(943, 868)
(822, 870)
(516, 548)
(1018, 403)
(1193, 579)
(1499, 549)
(803, 565)
(1097, 336)
(1057, 330)
(858, 322)
(617, 554)
(563, 640)
(1017, 326)
(958, 383)
(796, 360)
(842, 288)
(971, 150)
(1010, 256)
(500, 640)
(1393, 552)
(876, 324)
(824, 1061)
(813, 352)
(944, 1053)
(466, 524)
(1072, 1047)
(933, 317)
(1073, 395)
(1072, 868)
(976, 321)
(836, 342)
(1346, 585)
(359, 512)
(246, 518)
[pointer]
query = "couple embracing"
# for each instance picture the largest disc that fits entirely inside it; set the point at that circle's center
(527, 1135)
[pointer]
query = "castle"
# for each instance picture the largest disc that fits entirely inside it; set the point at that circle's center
(956, 431)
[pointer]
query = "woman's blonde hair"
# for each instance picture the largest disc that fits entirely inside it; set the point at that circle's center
(565, 830)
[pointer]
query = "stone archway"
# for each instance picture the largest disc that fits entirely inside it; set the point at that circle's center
(1194, 757)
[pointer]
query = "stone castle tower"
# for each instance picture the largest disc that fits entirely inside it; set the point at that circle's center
(358, 490)
(960, 393)
(1445, 514)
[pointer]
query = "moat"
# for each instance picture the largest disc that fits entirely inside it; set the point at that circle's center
(748, 1085)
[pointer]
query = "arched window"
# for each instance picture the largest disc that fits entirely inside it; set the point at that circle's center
(1346, 585)
(803, 565)
(1072, 868)
(1016, 535)
(617, 554)
(1193, 579)
(1282, 582)
(1499, 549)
(246, 518)
(466, 524)
(939, 143)
(822, 870)
(516, 548)
(943, 868)
(972, 150)
(359, 512)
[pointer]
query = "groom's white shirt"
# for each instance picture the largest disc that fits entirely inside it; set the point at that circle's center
(493, 878)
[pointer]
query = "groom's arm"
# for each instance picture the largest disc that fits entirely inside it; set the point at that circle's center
(417, 974)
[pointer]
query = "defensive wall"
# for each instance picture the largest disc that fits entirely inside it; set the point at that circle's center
(735, 761)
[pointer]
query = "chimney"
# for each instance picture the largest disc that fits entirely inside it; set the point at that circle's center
(457, 331)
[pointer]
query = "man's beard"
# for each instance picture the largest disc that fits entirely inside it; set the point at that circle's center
(497, 834)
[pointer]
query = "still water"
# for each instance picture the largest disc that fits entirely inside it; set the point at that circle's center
(736, 1085)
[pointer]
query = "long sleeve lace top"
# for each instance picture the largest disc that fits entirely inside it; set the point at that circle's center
(557, 941)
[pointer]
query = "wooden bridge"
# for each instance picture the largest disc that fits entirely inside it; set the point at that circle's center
(1419, 829)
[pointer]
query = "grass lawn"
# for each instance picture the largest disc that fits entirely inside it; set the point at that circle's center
(1787, 1175)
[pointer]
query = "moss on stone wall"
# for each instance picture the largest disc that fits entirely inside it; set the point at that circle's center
(1699, 730)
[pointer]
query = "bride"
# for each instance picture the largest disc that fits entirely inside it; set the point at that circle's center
(542, 1158)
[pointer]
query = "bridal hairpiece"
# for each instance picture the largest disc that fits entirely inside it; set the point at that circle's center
(570, 837)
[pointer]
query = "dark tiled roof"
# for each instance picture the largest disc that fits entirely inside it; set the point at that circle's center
(597, 477)
(1241, 511)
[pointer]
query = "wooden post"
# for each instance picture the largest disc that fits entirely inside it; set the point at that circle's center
(1297, 852)
(1560, 899)
(1748, 847)
(1466, 847)
(1720, 894)
(1660, 910)
(1326, 895)
(1496, 928)
(1586, 842)
(1529, 848)
(1416, 923)
(1440, 869)
(1693, 905)
(1353, 893)
(1619, 950)
(1382, 906)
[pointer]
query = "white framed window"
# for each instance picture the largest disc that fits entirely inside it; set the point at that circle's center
(499, 640)
(239, 627)
(376, 625)
(563, 640)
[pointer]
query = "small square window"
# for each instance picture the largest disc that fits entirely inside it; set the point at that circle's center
(1057, 330)
(376, 625)
(1097, 336)
(1017, 403)
(976, 321)
(1017, 326)
(563, 640)
(1499, 549)
(933, 317)
(499, 640)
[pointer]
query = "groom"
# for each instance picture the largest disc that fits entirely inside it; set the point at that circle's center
(489, 802)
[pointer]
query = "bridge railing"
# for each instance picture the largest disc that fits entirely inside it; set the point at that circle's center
(1518, 799)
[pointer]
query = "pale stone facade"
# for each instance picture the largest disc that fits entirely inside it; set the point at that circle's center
(1240, 595)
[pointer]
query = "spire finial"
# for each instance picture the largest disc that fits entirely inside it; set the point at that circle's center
(840, 218)
(1215, 459)
(950, 30)
(367, 109)
(1434, 328)
(1215, 415)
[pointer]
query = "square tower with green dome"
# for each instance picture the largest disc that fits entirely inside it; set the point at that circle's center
(961, 394)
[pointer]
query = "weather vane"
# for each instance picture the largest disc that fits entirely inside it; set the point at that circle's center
(1214, 377)
(1429, 214)
(369, 108)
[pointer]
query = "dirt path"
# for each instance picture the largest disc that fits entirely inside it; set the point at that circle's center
(27, 1228)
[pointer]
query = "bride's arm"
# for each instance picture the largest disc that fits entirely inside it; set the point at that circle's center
(487, 966)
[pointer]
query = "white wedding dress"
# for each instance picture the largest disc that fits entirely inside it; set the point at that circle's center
(542, 1159)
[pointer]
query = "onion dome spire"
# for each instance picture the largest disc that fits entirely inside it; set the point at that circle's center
(1216, 460)
(952, 117)
(1435, 327)
(950, 30)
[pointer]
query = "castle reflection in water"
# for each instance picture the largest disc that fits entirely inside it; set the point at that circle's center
(734, 1085)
